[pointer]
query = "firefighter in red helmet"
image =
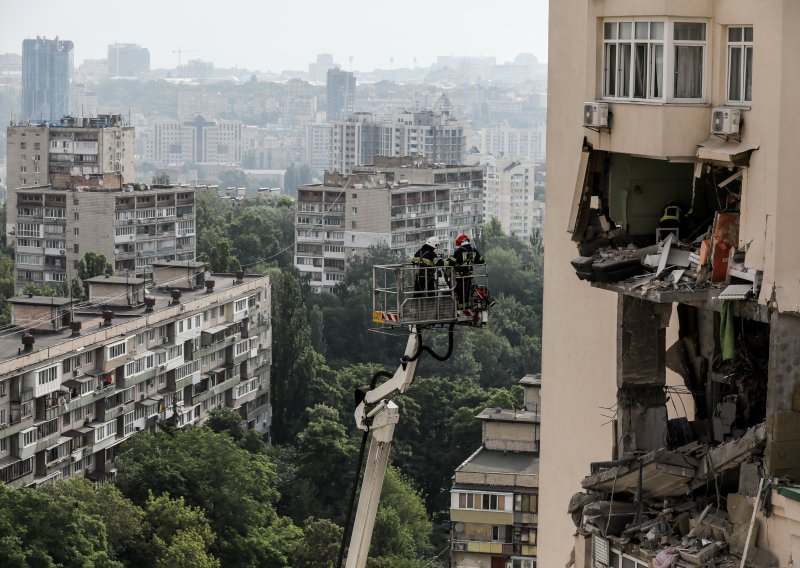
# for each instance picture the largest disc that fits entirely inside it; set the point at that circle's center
(464, 257)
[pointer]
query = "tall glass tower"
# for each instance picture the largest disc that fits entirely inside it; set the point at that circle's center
(46, 78)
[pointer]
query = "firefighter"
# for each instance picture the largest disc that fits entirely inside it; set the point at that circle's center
(464, 257)
(426, 260)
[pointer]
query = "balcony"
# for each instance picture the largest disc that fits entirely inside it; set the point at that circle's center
(481, 547)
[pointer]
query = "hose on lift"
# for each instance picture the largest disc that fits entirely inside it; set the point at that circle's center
(359, 464)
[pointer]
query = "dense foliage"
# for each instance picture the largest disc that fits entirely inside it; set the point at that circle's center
(221, 496)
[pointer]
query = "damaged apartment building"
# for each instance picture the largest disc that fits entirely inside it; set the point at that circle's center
(683, 215)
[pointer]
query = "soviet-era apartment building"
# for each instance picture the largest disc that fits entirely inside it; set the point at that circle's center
(133, 225)
(399, 202)
(671, 335)
(493, 509)
(76, 380)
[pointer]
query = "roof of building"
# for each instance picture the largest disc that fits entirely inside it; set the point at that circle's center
(505, 415)
(107, 279)
(493, 461)
(534, 379)
(40, 300)
(179, 264)
(91, 318)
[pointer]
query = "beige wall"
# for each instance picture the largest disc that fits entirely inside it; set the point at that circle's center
(579, 336)
(510, 436)
(579, 322)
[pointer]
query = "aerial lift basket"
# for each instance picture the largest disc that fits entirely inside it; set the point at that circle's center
(395, 302)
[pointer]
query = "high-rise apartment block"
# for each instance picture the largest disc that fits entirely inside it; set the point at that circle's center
(128, 59)
(341, 90)
(318, 146)
(76, 381)
(197, 140)
(133, 225)
(435, 134)
(400, 202)
(74, 146)
(515, 142)
(671, 293)
(494, 499)
(47, 66)
(509, 194)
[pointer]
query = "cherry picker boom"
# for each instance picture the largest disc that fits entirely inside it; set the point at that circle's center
(397, 305)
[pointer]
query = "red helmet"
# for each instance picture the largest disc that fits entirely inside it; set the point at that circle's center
(461, 239)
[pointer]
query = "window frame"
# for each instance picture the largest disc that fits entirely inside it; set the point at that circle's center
(670, 45)
(744, 45)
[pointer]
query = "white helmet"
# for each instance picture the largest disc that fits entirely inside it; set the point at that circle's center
(433, 242)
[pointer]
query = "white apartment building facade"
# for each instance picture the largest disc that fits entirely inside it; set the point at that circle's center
(509, 194)
(71, 396)
(510, 142)
(197, 140)
(436, 135)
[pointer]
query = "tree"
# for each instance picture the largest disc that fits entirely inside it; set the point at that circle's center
(233, 178)
(319, 547)
(235, 488)
(225, 420)
(291, 338)
(93, 264)
(161, 178)
(221, 258)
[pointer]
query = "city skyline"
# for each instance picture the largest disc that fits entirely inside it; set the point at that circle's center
(266, 49)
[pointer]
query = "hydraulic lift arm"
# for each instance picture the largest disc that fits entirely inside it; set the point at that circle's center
(377, 414)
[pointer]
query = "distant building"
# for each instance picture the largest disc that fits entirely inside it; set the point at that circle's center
(299, 103)
(83, 102)
(318, 146)
(318, 71)
(400, 204)
(77, 383)
(341, 87)
(128, 60)
(515, 142)
(46, 77)
(494, 499)
(435, 134)
(133, 225)
(509, 194)
(195, 140)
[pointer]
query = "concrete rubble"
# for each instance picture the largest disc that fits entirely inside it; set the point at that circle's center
(677, 507)
(709, 261)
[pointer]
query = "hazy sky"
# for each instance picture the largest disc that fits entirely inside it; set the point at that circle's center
(271, 36)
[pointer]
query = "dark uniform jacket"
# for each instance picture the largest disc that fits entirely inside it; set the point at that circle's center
(426, 259)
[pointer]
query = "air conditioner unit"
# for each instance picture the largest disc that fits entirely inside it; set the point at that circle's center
(162, 368)
(62, 251)
(595, 114)
(726, 121)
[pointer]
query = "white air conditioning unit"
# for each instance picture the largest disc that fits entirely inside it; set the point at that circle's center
(726, 121)
(62, 251)
(595, 114)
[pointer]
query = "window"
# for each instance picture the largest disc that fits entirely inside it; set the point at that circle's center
(76, 232)
(116, 350)
(690, 40)
(740, 64)
(48, 375)
(635, 66)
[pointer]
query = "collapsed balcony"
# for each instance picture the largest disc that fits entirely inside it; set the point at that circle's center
(662, 230)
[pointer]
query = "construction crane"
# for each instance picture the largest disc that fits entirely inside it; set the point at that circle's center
(181, 52)
(397, 304)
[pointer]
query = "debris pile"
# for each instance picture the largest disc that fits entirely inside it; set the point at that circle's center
(690, 506)
(710, 259)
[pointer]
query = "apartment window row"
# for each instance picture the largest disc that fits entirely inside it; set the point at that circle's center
(639, 57)
(47, 375)
(140, 365)
(16, 470)
(116, 350)
(481, 501)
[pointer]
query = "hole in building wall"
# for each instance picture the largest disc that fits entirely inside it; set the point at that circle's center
(728, 384)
